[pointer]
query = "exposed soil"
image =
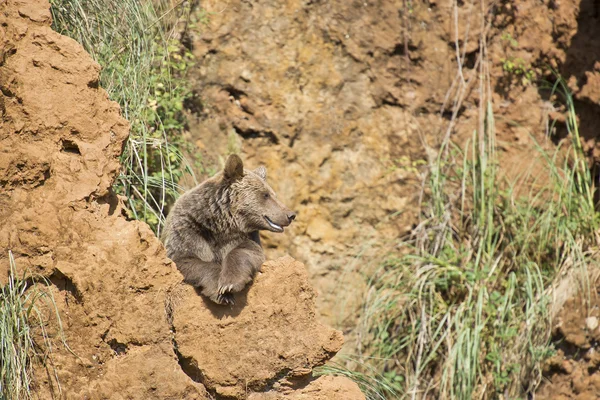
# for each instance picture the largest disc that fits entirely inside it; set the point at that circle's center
(573, 372)
(341, 99)
(270, 333)
(132, 331)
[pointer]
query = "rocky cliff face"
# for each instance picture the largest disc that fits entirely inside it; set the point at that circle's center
(318, 92)
(133, 331)
(341, 99)
(344, 101)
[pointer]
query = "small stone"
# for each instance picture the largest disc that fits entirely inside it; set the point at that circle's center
(246, 75)
(591, 323)
(589, 355)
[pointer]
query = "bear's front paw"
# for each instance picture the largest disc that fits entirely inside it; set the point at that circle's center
(232, 282)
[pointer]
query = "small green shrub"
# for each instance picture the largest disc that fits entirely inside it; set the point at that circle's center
(515, 68)
(144, 69)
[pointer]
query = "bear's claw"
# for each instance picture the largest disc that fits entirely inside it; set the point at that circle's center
(225, 295)
(225, 289)
(226, 299)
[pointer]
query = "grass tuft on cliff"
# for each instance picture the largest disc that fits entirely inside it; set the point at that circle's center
(465, 312)
(24, 336)
(143, 69)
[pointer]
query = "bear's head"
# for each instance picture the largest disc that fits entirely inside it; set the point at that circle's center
(253, 203)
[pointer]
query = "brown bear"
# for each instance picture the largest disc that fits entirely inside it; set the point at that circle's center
(211, 232)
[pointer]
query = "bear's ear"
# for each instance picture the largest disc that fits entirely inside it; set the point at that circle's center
(234, 168)
(262, 172)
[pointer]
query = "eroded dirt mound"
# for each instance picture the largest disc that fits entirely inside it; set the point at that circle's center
(274, 325)
(60, 139)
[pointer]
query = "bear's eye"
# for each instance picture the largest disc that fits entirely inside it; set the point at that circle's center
(266, 195)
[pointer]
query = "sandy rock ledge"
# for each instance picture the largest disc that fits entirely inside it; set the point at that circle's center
(270, 334)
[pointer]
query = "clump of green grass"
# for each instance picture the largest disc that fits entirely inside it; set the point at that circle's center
(143, 69)
(373, 384)
(21, 322)
(465, 313)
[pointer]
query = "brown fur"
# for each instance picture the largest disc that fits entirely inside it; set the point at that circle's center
(212, 231)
